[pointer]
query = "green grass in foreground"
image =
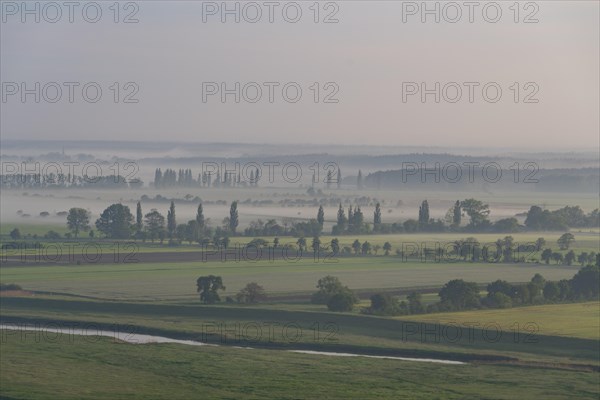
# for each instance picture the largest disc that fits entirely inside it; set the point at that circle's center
(235, 325)
(98, 368)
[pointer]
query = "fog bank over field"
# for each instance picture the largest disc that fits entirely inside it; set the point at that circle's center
(390, 175)
(572, 155)
(381, 166)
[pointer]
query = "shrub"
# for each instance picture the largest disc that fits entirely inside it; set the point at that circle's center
(343, 301)
(52, 235)
(15, 234)
(551, 291)
(328, 286)
(9, 286)
(385, 304)
(415, 306)
(252, 293)
(501, 300)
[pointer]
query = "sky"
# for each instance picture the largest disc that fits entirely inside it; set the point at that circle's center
(529, 80)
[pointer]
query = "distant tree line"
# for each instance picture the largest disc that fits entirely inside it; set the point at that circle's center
(208, 288)
(586, 180)
(459, 295)
(66, 181)
(455, 295)
(184, 178)
(117, 222)
(561, 219)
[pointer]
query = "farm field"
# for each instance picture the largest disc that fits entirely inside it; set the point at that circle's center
(161, 296)
(585, 239)
(309, 329)
(548, 350)
(571, 320)
(101, 368)
(176, 280)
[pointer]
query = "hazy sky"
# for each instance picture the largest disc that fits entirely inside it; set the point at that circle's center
(370, 57)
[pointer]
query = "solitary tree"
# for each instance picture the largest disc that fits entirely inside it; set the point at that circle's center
(539, 243)
(208, 287)
(365, 248)
(139, 223)
(570, 257)
(477, 212)
(316, 244)
(251, 293)
(15, 234)
(457, 214)
(301, 242)
(191, 231)
(376, 248)
(424, 213)
(384, 304)
(359, 180)
(357, 220)
(78, 220)
(458, 294)
(340, 302)
(321, 216)
(155, 224)
(171, 221)
(341, 219)
(339, 178)
(387, 247)
(377, 215)
(586, 283)
(335, 246)
(499, 286)
(233, 217)
(558, 257)
(350, 218)
(564, 242)
(356, 246)
(551, 291)
(200, 223)
(538, 283)
(200, 216)
(225, 242)
(115, 222)
(415, 304)
(546, 255)
(329, 286)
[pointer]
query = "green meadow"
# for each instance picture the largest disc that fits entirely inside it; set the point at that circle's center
(101, 368)
(548, 351)
(163, 281)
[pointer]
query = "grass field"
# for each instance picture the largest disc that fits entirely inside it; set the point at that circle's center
(178, 280)
(160, 298)
(585, 239)
(85, 368)
(318, 329)
(573, 320)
